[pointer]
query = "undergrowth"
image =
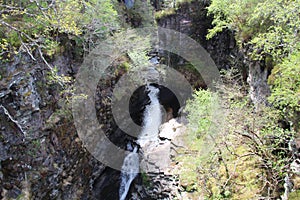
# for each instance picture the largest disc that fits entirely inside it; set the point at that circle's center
(234, 150)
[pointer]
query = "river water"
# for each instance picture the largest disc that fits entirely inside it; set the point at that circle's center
(150, 127)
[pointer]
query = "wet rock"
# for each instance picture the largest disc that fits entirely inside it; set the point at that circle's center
(54, 167)
(257, 79)
(192, 19)
(106, 186)
(295, 166)
(3, 152)
(157, 154)
(171, 130)
(158, 164)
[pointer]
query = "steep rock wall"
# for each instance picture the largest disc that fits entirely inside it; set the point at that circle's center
(192, 19)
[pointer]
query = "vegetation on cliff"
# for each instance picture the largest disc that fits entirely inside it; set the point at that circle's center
(44, 27)
(268, 31)
(235, 150)
(270, 28)
(252, 150)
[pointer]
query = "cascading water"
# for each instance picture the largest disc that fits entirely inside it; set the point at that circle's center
(151, 122)
(152, 117)
(130, 169)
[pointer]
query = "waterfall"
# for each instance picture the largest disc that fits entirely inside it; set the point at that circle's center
(151, 122)
(130, 169)
(152, 118)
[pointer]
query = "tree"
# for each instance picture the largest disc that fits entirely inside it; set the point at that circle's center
(233, 151)
(271, 28)
(30, 26)
(269, 31)
(285, 85)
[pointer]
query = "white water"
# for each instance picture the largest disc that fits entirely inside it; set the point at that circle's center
(151, 122)
(152, 118)
(130, 169)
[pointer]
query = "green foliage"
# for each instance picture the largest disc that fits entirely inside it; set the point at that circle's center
(202, 107)
(21, 197)
(170, 7)
(139, 58)
(54, 78)
(285, 81)
(241, 156)
(281, 22)
(145, 179)
(63, 84)
(294, 195)
(164, 13)
(271, 27)
(31, 25)
(285, 85)
(202, 110)
(125, 66)
(270, 30)
(51, 47)
(101, 19)
(231, 14)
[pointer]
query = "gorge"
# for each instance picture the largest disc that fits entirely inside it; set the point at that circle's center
(151, 122)
(239, 140)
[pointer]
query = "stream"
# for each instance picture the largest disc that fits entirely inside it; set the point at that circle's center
(150, 127)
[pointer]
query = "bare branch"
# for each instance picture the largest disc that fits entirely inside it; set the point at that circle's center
(30, 39)
(26, 48)
(41, 54)
(11, 7)
(12, 119)
(17, 30)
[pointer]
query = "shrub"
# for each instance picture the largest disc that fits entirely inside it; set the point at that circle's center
(30, 25)
(233, 151)
(285, 85)
(269, 27)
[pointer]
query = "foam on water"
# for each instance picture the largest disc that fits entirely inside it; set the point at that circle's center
(151, 122)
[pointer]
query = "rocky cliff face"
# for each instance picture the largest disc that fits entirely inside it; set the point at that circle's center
(41, 155)
(192, 19)
(257, 80)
